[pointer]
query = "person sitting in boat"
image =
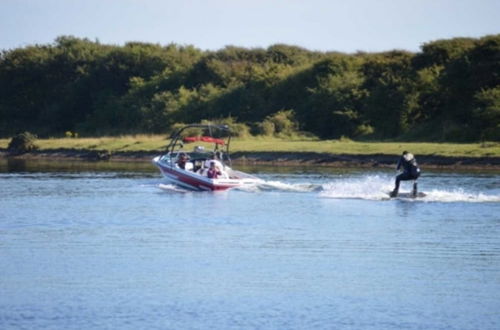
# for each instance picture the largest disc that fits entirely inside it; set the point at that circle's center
(214, 157)
(411, 171)
(182, 161)
(213, 172)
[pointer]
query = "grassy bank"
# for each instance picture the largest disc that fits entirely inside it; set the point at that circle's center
(152, 143)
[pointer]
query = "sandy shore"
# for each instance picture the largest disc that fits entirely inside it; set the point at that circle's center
(272, 158)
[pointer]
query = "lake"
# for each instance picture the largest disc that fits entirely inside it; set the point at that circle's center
(113, 246)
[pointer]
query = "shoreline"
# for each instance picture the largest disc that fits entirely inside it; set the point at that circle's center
(270, 158)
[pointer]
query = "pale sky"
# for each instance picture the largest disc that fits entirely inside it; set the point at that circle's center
(324, 25)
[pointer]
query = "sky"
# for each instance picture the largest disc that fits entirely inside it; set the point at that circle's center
(322, 25)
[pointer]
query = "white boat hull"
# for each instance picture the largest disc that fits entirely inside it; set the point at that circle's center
(195, 181)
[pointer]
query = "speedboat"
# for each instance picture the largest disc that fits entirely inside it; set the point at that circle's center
(188, 167)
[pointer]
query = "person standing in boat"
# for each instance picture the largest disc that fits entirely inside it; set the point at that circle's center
(411, 171)
(213, 172)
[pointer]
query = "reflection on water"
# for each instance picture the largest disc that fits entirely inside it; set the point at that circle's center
(44, 165)
(103, 247)
(13, 165)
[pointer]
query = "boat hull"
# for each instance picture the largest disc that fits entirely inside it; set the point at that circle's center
(194, 181)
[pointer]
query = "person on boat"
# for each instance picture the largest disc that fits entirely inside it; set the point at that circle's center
(213, 172)
(183, 158)
(214, 157)
(411, 171)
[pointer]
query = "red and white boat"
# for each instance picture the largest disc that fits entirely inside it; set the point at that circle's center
(188, 169)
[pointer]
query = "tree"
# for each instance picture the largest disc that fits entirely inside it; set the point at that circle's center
(487, 113)
(388, 79)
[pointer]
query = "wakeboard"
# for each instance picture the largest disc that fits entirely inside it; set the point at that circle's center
(408, 195)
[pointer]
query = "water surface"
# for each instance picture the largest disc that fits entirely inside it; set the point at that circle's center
(117, 247)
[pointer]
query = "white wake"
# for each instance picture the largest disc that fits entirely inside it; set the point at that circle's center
(281, 186)
(459, 195)
(172, 188)
(370, 187)
(378, 187)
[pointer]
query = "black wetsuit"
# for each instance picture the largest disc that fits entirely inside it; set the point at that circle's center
(410, 170)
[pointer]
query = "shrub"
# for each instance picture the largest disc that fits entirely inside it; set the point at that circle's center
(492, 133)
(284, 122)
(240, 130)
(237, 129)
(363, 129)
(22, 143)
(266, 128)
(344, 139)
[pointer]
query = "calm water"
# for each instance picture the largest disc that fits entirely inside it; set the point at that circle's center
(118, 248)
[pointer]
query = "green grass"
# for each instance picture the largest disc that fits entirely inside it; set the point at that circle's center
(121, 143)
(365, 148)
(152, 143)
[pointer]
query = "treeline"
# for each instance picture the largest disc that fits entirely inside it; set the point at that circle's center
(449, 91)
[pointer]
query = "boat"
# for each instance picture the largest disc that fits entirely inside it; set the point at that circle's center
(188, 169)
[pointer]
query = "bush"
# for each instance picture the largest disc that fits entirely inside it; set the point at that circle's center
(281, 123)
(237, 129)
(240, 130)
(492, 134)
(344, 139)
(22, 143)
(265, 128)
(363, 130)
(69, 134)
(284, 122)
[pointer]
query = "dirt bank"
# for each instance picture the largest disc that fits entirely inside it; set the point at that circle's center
(272, 158)
(375, 160)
